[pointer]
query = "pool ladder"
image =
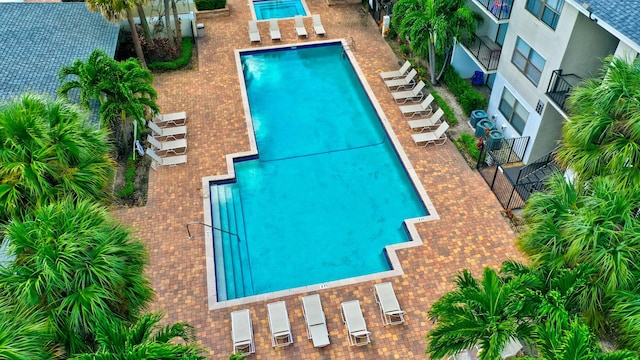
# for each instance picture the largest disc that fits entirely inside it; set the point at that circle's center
(350, 45)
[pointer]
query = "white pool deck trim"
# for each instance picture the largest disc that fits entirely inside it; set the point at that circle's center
(396, 268)
(255, 17)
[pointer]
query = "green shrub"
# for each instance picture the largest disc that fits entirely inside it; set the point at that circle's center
(129, 177)
(468, 143)
(469, 98)
(185, 57)
(448, 113)
(210, 4)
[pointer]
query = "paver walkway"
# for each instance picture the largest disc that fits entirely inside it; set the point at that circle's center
(471, 233)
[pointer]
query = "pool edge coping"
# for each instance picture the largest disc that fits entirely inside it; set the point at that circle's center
(390, 250)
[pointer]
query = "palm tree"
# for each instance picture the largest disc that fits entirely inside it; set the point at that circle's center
(24, 332)
(626, 314)
(602, 136)
(88, 77)
(596, 227)
(167, 24)
(143, 339)
(130, 95)
(432, 26)
(48, 152)
(78, 267)
(112, 10)
(486, 313)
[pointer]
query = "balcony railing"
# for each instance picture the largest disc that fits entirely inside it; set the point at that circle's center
(560, 87)
(500, 9)
(486, 51)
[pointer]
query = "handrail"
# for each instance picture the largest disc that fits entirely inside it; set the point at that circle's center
(535, 166)
(559, 88)
(487, 55)
(499, 9)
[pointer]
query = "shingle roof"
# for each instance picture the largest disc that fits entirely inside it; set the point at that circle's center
(623, 15)
(39, 38)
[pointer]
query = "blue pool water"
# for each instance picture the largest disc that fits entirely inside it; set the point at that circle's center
(278, 9)
(327, 193)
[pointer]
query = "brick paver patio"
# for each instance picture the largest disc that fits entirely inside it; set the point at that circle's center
(471, 232)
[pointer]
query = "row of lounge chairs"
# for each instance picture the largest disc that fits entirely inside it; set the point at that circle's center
(274, 28)
(431, 128)
(316, 322)
(168, 139)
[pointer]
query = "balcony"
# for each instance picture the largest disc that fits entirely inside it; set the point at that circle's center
(485, 51)
(560, 87)
(501, 10)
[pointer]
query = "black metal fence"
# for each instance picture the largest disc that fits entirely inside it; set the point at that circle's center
(560, 87)
(487, 52)
(510, 180)
(499, 9)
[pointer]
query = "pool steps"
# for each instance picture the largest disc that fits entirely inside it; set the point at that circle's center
(233, 274)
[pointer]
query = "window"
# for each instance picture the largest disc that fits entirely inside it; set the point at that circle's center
(528, 61)
(548, 11)
(513, 111)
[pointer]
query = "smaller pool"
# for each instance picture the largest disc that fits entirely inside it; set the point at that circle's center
(278, 9)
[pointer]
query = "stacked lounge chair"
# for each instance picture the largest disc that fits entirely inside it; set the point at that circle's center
(279, 324)
(299, 26)
(389, 307)
(254, 34)
(168, 139)
(317, 25)
(315, 320)
(242, 332)
(354, 321)
(274, 30)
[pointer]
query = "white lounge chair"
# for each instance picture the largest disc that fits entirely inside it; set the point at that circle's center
(242, 332)
(166, 160)
(274, 30)
(422, 109)
(317, 25)
(402, 83)
(315, 319)
(429, 123)
(437, 136)
(169, 132)
(173, 119)
(178, 146)
(356, 326)
(388, 303)
(396, 73)
(414, 94)
(279, 324)
(254, 33)
(299, 25)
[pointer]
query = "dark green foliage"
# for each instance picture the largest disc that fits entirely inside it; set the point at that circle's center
(24, 332)
(469, 98)
(182, 61)
(448, 113)
(210, 4)
(468, 143)
(144, 339)
(129, 178)
(49, 153)
(79, 267)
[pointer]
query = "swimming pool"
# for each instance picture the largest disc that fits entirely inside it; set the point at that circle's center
(327, 192)
(278, 9)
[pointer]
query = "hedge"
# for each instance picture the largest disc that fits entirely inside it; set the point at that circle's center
(210, 4)
(469, 98)
(185, 57)
(448, 113)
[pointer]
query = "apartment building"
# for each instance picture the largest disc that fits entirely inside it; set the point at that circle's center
(533, 52)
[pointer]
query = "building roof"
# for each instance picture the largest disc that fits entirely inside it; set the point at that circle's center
(39, 38)
(622, 15)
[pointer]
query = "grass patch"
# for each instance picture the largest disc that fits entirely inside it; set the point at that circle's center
(182, 61)
(445, 108)
(467, 143)
(129, 177)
